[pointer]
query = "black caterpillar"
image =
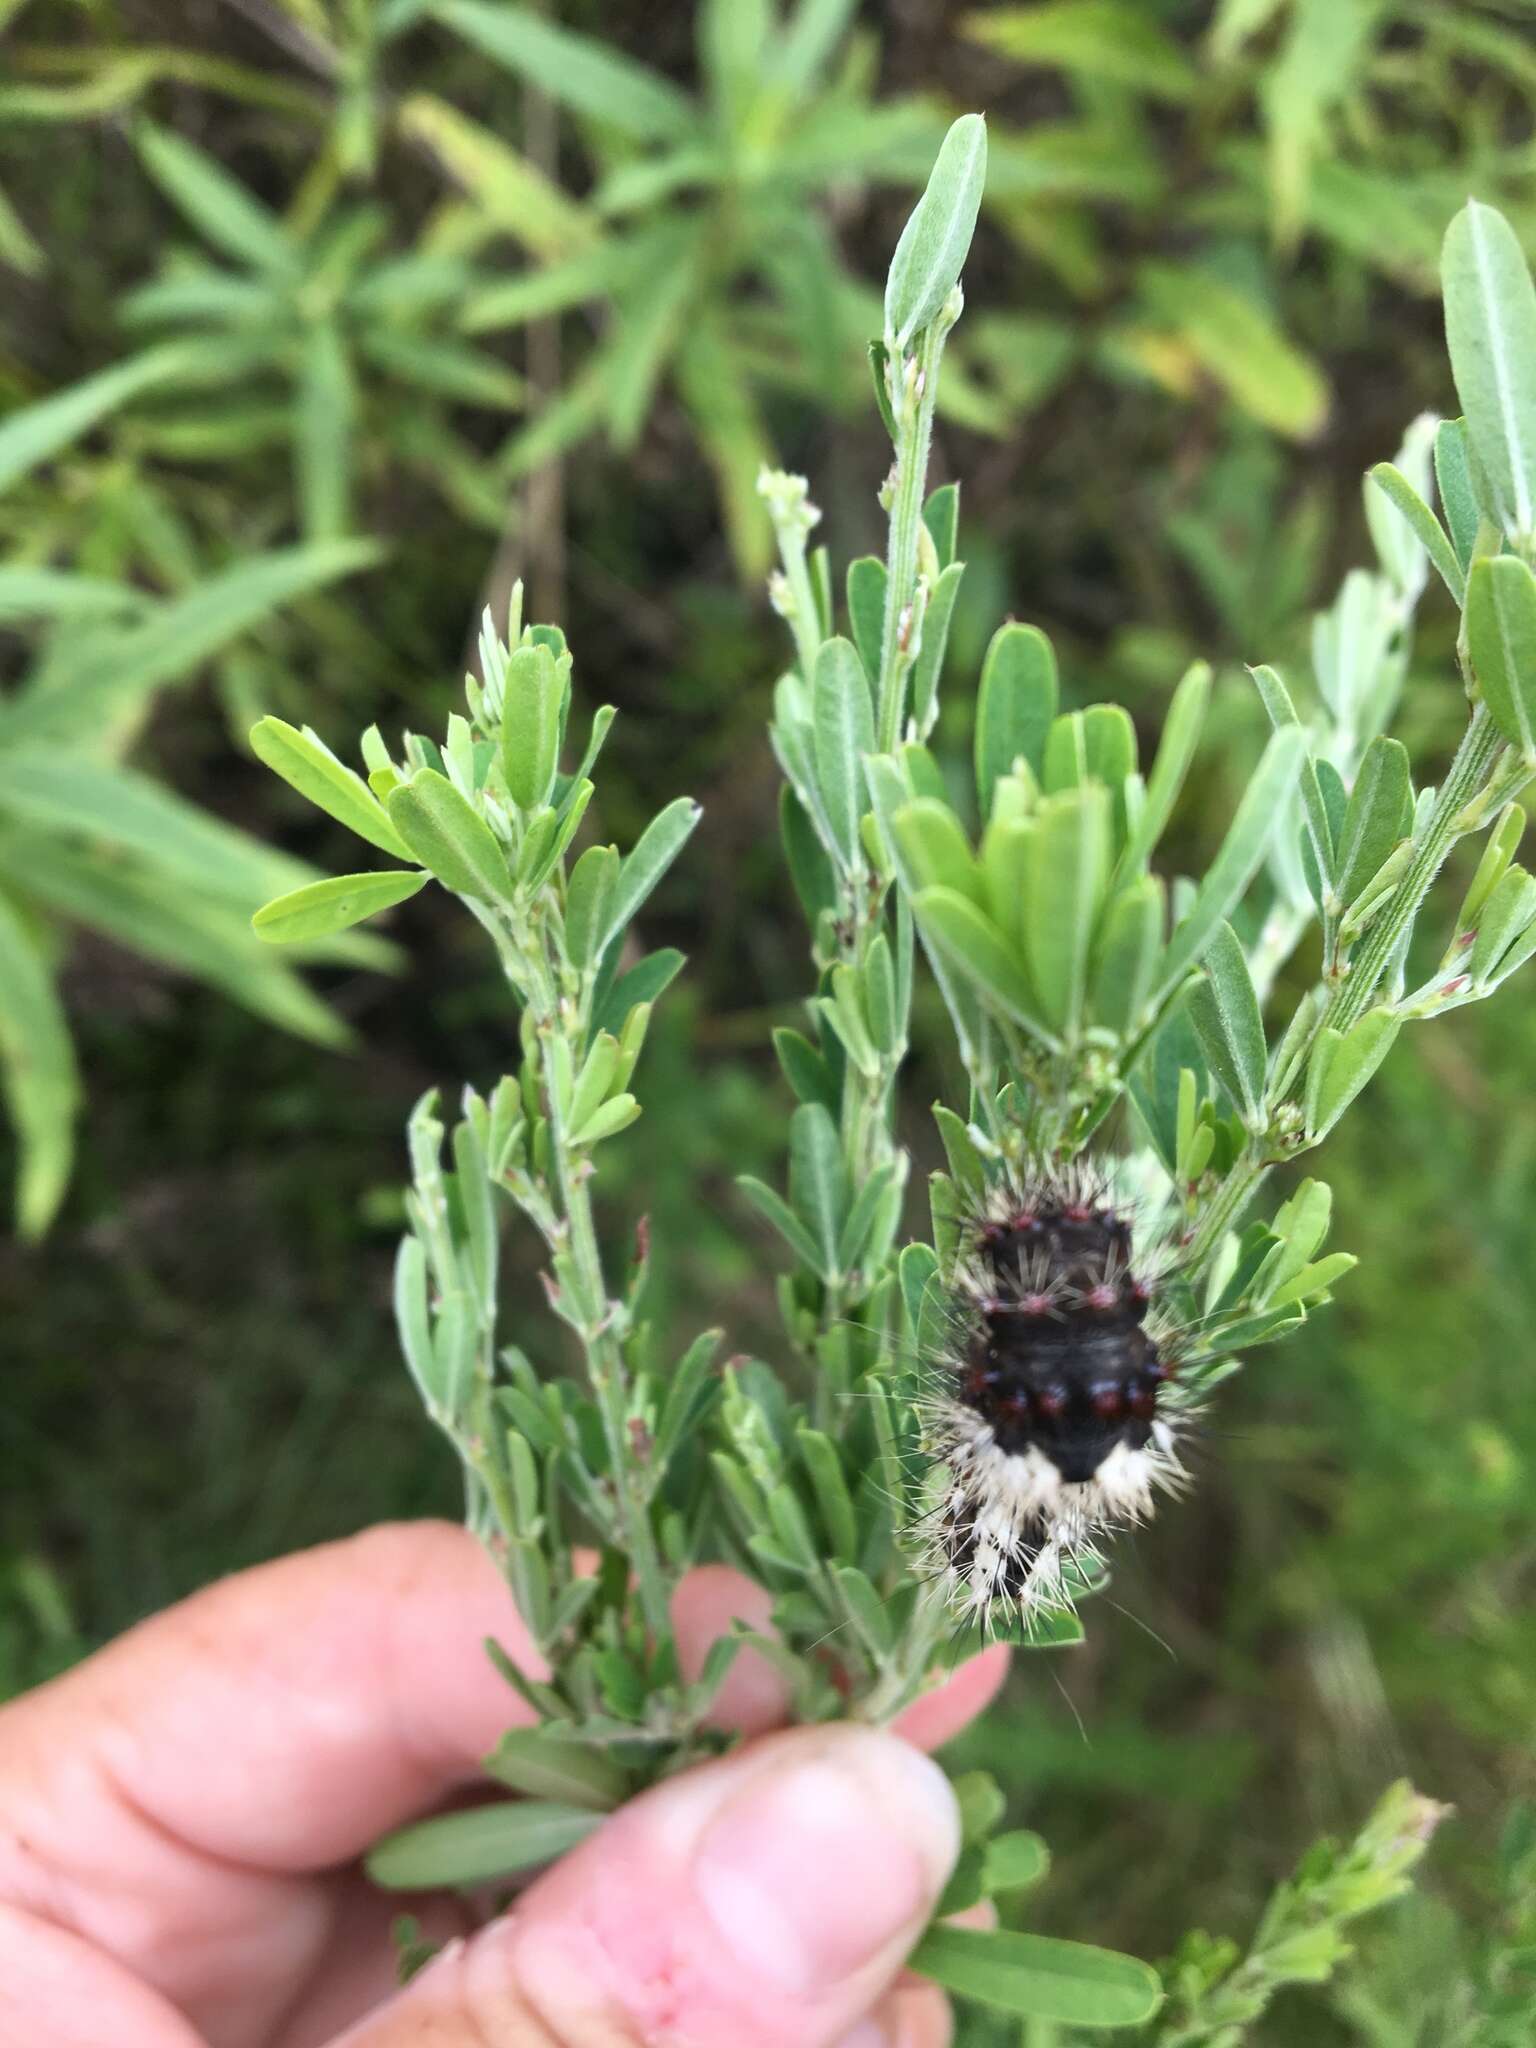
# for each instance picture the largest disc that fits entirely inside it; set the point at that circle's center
(1054, 1417)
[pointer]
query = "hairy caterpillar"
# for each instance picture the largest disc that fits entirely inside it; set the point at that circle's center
(1054, 1413)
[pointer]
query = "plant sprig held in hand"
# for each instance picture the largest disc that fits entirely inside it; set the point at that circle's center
(960, 1422)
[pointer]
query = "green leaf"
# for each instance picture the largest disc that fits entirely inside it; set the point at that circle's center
(178, 638)
(1341, 1064)
(771, 1205)
(585, 74)
(1100, 39)
(929, 665)
(1394, 486)
(206, 937)
(972, 943)
(513, 192)
(303, 759)
(541, 1763)
(866, 609)
(217, 205)
(1126, 970)
(320, 908)
(589, 897)
(1263, 806)
(323, 448)
(1175, 751)
(1490, 327)
(650, 857)
(1238, 342)
(1067, 872)
(1038, 1977)
(37, 1073)
(1501, 639)
(56, 594)
(1224, 1010)
(643, 983)
(67, 791)
(810, 869)
(1015, 706)
(32, 433)
(480, 1846)
(941, 516)
(934, 850)
(843, 733)
(1453, 480)
(445, 832)
(530, 725)
(928, 260)
(818, 1181)
(1015, 1862)
(1379, 814)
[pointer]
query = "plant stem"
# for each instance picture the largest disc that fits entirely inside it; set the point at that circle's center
(1223, 1209)
(1465, 777)
(592, 1310)
(913, 410)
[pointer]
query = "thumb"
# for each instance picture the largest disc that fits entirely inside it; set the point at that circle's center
(764, 1901)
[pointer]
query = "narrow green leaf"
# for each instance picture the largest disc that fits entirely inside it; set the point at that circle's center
(1264, 804)
(446, 833)
(777, 1211)
(1394, 486)
(1015, 706)
(650, 857)
(323, 450)
(479, 1846)
(866, 609)
(217, 205)
(541, 1763)
(1068, 863)
(1175, 751)
(1038, 1977)
(32, 433)
(177, 638)
(843, 733)
(974, 946)
(1458, 495)
(928, 667)
(1378, 816)
(1224, 1010)
(935, 850)
(37, 1074)
(530, 725)
(587, 75)
(1490, 328)
(303, 759)
(320, 908)
(589, 898)
(1341, 1065)
(804, 1068)
(941, 516)
(1501, 639)
(932, 250)
(818, 1183)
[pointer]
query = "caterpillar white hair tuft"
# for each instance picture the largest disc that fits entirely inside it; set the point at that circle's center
(1052, 1410)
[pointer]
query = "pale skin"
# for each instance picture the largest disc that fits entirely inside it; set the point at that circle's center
(181, 1818)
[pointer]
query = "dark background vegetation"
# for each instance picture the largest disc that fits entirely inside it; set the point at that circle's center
(197, 1367)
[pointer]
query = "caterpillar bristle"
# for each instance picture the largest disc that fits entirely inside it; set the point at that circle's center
(1053, 1407)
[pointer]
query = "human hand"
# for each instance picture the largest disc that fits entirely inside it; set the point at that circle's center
(181, 1817)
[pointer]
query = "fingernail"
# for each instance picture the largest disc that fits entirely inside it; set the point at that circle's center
(828, 1858)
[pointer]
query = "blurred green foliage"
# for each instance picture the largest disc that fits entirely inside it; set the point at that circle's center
(287, 273)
